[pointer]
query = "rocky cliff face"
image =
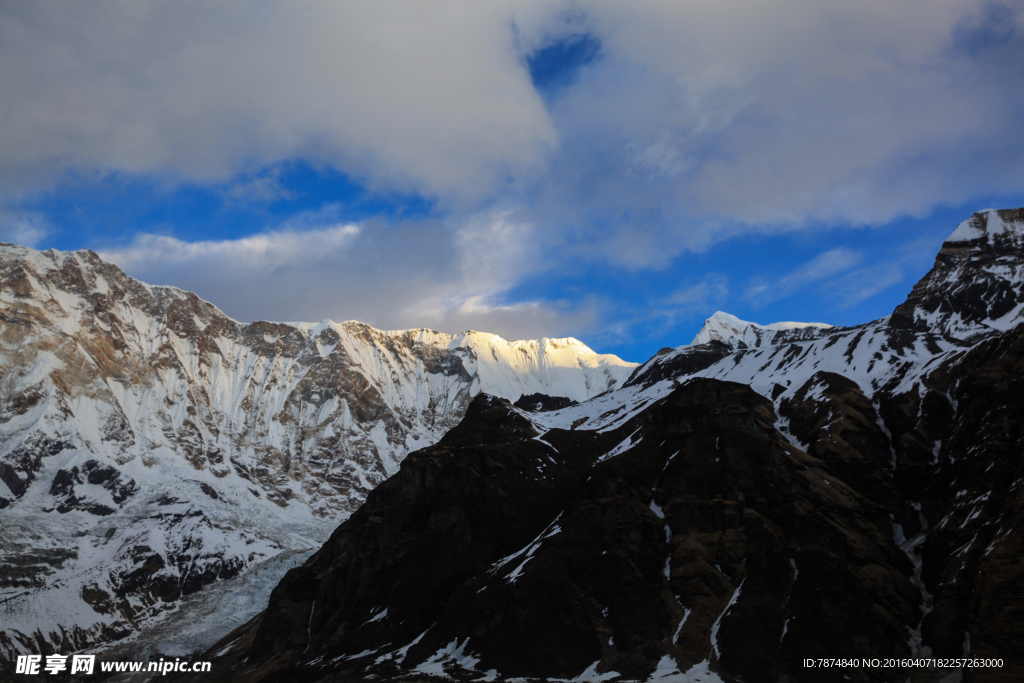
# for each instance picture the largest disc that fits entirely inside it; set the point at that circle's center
(150, 445)
(693, 537)
(733, 509)
(974, 287)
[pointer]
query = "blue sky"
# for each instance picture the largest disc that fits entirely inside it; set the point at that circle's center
(611, 172)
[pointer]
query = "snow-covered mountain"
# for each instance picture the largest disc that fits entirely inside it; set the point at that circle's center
(974, 291)
(975, 286)
(150, 445)
(724, 327)
(863, 482)
(738, 505)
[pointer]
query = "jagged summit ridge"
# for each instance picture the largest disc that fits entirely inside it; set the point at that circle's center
(975, 287)
(509, 369)
(975, 290)
(989, 225)
(726, 327)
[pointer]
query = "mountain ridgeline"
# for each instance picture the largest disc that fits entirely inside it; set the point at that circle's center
(763, 497)
(151, 446)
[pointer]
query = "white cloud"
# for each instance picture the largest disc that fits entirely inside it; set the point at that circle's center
(803, 110)
(707, 120)
(684, 304)
(264, 189)
(888, 269)
(414, 274)
(700, 298)
(24, 228)
(408, 95)
(844, 276)
(521, 320)
(494, 250)
(826, 265)
(245, 258)
(864, 283)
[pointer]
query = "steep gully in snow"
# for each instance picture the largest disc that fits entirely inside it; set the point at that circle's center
(765, 495)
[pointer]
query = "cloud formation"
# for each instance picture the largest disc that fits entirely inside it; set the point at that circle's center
(703, 121)
(826, 265)
(666, 128)
(413, 274)
(410, 96)
(24, 228)
(844, 275)
(762, 114)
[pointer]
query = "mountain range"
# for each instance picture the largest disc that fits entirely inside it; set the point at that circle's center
(726, 511)
(763, 498)
(151, 446)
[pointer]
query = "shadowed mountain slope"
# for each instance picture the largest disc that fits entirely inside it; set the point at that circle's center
(736, 507)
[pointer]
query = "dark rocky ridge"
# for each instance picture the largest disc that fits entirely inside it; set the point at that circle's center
(972, 558)
(679, 364)
(743, 508)
(92, 472)
(543, 402)
(806, 543)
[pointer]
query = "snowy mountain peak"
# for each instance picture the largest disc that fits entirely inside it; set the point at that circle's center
(722, 334)
(975, 286)
(424, 335)
(508, 369)
(991, 225)
(723, 326)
